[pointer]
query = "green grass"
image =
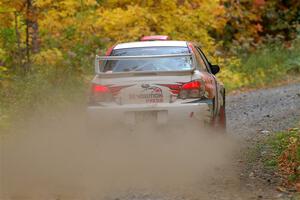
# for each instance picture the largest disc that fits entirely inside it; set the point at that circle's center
(281, 141)
(267, 66)
(283, 154)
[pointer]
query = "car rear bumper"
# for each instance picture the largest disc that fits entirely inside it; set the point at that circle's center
(163, 113)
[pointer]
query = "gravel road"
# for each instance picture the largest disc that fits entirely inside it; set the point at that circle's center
(251, 116)
(55, 153)
(271, 109)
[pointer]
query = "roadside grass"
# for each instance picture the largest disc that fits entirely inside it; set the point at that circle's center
(55, 79)
(269, 65)
(30, 94)
(283, 156)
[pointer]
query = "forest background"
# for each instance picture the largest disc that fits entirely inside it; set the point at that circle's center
(47, 47)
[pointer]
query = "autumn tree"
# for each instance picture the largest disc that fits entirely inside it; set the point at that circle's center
(182, 20)
(21, 21)
(254, 22)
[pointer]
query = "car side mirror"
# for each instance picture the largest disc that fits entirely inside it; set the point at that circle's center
(214, 69)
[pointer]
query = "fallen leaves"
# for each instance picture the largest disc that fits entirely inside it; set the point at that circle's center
(289, 160)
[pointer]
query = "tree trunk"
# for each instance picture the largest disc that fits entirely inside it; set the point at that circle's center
(35, 38)
(18, 54)
(35, 30)
(28, 6)
(17, 30)
(32, 31)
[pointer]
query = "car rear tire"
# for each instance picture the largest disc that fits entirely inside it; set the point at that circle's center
(222, 115)
(219, 121)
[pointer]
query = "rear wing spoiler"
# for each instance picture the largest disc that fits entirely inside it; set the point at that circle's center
(99, 64)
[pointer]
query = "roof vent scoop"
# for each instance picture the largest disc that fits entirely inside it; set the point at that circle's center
(155, 38)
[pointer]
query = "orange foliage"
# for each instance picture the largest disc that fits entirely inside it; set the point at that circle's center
(289, 164)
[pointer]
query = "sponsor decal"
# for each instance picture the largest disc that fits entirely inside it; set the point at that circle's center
(151, 94)
(115, 90)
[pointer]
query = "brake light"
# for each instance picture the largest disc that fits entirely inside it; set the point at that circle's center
(100, 93)
(174, 88)
(155, 38)
(193, 89)
(192, 85)
(100, 88)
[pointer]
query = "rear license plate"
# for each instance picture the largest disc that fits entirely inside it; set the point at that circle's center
(146, 116)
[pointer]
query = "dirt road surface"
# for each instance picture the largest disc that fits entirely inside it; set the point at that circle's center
(52, 159)
(272, 109)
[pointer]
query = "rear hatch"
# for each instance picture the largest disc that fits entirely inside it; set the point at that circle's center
(143, 75)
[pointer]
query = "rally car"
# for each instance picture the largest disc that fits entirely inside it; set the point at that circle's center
(156, 80)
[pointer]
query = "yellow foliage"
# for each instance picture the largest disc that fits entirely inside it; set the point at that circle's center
(231, 79)
(129, 20)
(55, 15)
(90, 2)
(42, 3)
(123, 24)
(2, 54)
(48, 58)
(2, 73)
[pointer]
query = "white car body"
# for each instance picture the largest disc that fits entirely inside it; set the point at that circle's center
(157, 94)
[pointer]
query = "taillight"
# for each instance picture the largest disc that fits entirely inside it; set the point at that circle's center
(100, 89)
(191, 85)
(100, 93)
(193, 89)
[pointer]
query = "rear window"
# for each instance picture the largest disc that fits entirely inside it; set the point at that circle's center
(153, 64)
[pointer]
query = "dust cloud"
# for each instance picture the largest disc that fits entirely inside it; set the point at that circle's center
(53, 156)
